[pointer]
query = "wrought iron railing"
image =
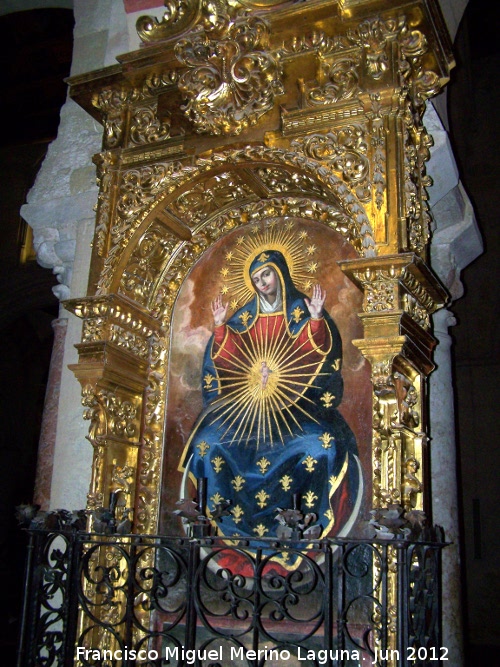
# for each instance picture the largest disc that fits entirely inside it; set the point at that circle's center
(145, 600)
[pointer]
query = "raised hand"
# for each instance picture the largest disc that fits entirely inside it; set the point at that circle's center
(219, 311)
(316, 303)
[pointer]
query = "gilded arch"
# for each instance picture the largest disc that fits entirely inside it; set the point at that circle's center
(154, 248)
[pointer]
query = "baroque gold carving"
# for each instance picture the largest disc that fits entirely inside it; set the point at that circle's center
(122, 477)
(138, 187)
(231, 79)
(342, 82)
(378, 148)
(143, 187)
(179, 15)
(112, 103)
(109, 318)
(145, 127)
(205, 198)
(373, 35)
(411, 484)
(108, 414)
(168, 194)
(345, 152)
(149, 465)
(106, 163)
(152, 250)
(380, 289)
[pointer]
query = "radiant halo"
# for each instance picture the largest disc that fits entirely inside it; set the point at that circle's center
(296, 247)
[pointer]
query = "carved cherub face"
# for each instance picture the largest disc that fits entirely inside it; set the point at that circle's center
(412, 465)
(266, 282)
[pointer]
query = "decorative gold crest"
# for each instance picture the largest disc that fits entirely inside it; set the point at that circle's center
(231, 78)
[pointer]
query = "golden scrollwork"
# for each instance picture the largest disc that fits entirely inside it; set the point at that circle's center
(179, 15)
(345, 152)
(109, 414)
(373, 35)
(210, 196)
(146, 127)
(153, 249)
(106, 163)
(342, 81)
(232, 78)
(149, 464)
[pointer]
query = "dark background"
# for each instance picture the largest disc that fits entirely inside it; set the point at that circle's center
(35, 56)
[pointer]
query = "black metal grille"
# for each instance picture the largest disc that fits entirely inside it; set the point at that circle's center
(154, 599)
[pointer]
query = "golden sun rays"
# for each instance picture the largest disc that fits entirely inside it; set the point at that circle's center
(261, 385)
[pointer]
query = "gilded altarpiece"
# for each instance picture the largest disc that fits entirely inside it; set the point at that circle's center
(277, 127)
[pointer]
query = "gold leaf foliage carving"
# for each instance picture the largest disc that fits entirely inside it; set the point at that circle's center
(345, 152)
(210, 196)
(146, 514)
(317, 41)
(373, 35)
(141, 187)
(138, 187)
(153, 249)
(231, 79)
(145, 127)
(381, 290)
(179, 15)
(106, 164)
(134, 343)
(378, 147)
(342, 82)
(108, 414)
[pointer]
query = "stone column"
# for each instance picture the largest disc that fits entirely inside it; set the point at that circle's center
(445, 485)
(48, 432)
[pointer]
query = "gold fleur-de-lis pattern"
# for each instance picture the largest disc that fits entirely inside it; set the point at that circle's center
(216, 498)
(336, 365)
(327, 399)
(309, 498)
(262, 498)
(260, 530)
(286, 482)
(208, 380)
(238, 482)
(237, 513)
(245, 317)
(203, 448)
(297, 314)
(263, 464)
(326, 440)
(310, 463)
(217, 463)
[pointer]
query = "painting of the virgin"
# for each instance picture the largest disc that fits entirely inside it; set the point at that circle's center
(270, 428)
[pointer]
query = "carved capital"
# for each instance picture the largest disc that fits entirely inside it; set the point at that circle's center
(398, 285)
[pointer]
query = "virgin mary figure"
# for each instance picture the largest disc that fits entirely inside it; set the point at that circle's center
(270, 429)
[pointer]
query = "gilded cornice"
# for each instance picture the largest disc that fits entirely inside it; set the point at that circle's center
(231, 68)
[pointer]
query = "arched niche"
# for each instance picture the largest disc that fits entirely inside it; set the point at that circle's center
(168, 220)
(219, 271)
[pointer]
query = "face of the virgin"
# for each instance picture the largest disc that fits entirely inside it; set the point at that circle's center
(266, 282)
